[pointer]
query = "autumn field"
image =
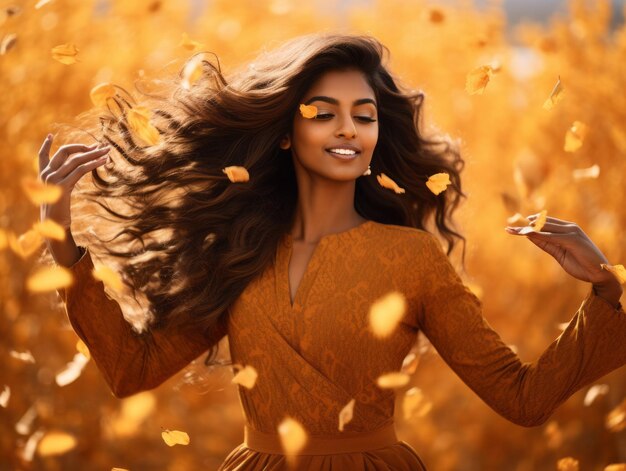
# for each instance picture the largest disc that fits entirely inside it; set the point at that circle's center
(540, 116)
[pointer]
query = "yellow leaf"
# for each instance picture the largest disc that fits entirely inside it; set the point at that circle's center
(395, 379)
(65, 53)
(4, 396)
(555, 97)
(192, 72)
(414, 404)
(567, 464)
(26, 244)
(477, 79)
(386, 182)
(345, 414)
(188, 43)
(139, 122)
(292, 435)
(236, 173)
(39, 192)
(438, 182)
(109, 277)
(246, 377)
(26, 356)
(594, 392)
(49, 279)
(616, 467)
(586, 173)
(82, 348)
(617, 270)
(50, 229)
(56, 443)
(101, 93)
(615, 421)
(175, 437)
(72, 370)
(7, 43)
(386, 312)
(575, 136)
(538, 223)
(308, 111)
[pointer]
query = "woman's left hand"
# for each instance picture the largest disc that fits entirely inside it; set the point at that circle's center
(571, 247)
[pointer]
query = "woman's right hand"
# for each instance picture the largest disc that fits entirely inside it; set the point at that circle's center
(65, 168)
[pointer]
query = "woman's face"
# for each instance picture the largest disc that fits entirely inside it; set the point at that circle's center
(338, 144)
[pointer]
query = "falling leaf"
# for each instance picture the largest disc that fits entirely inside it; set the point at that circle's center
(386, 312)
(101, 93)
(175, 437)
(617, 270)
(345, 414)
(82, 348)
(42, 3)
(553, 435)
(26, 244)
(435, 15)
(308, 111)
(615, 420)
(594, 392)
(236, 173)
(49, 279)
(394, 379)
(586, 173)
(415, 404)
(575, 136)
(26, 356)
(188, 43)
(50, 229)
(72, 370)
(65, 53)
(7, 43)
(39, 192)
(5, 395)
(109, 277)
(134, 411)
(616, 467)
(28, 452)
(246, 377)
(139, 122)
(25, 423)
(56, 443)
(292, 435)
(119, 469)
(192, 72)
(555, 97)
(567, 464)
(438, 182)
(477, 79)
(410, 362)
(386, 182)
(537, 225)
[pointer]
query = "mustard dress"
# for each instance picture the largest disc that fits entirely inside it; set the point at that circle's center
(317, 354)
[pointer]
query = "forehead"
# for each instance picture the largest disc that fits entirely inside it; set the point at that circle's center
(347, 85)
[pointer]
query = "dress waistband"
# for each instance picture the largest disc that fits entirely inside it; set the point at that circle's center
(349, 442)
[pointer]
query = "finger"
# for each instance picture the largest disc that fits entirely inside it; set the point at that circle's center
(75, 161)
(65, 151)
(532, 217)
(81, 170)
(558, 228)
(44, 152)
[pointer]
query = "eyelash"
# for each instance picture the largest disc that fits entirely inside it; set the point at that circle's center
(326, 116)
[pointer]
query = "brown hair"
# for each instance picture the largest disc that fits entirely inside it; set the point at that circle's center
(221, 235)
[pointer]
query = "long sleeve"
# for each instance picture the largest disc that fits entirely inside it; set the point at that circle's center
(451, 317)
(130, 362)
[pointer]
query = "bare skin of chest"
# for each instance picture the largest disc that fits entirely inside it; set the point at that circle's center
(300, 256)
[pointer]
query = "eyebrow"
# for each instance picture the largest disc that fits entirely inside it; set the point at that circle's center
(334, 101)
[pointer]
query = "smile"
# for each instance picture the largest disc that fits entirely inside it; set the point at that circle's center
(343, 153)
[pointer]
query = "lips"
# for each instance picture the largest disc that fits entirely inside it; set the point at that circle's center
(344, 152)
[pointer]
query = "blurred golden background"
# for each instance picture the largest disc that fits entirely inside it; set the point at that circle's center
(516, 161)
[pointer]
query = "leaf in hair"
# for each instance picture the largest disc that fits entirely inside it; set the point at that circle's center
(555, 96)
(65, 53)
(438, 182)
(575, 136)
(387, 182)
(308, 111)
(139, 121)
(618, 271)
(477, 79)
(101, 93)
(236, 173)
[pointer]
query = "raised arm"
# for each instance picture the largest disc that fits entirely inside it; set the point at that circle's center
(525, 393)
(130, 362)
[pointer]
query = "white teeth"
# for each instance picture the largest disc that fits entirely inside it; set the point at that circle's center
(342, 151)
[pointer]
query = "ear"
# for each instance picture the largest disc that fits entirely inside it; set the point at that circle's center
(285, 142)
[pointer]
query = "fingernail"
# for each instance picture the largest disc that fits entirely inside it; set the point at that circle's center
(49, 136)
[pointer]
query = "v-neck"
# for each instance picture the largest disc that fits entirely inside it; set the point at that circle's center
(312, 267)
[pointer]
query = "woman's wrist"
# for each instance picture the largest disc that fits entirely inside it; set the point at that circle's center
(611, 291)
(65, 253)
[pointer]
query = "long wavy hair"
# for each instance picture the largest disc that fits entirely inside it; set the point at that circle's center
(217, 236)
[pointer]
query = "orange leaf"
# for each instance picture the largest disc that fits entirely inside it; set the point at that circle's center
(109, 277)
(188, 43)
(175, 437)
(26, 244)
(575, 136)
(50, 229)
(477, 79)
(39, 192)
(56, 443)
(139, 122)
(292, 435)
(101, 93)
(555, 96)
(246, 377)
(65, 53)
(49, 279)
(386, 312)
(395, 379)
(438, 182)
(308, 111)
(386, 182)
(236, 174)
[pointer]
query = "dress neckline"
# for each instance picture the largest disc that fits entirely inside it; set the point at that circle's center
(337, 235)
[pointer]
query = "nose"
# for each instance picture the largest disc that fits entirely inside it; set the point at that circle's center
(346, 128)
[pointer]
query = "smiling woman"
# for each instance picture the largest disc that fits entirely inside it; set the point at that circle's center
(293, 263)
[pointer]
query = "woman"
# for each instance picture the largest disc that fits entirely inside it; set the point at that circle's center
(288, 263)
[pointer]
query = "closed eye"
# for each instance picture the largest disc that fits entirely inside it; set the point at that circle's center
(327, 116)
